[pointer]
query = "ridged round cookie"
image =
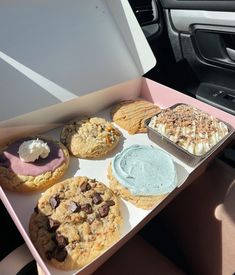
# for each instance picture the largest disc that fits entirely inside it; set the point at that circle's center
(11, 177)
(74, 222)
(131, 114)
(144, 202)
(90, 138)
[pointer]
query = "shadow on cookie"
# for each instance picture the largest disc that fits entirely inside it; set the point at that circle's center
(116, 150)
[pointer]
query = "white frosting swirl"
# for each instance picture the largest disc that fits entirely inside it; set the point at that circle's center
(31, 150)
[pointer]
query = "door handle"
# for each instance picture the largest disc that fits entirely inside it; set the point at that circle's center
(231, 53)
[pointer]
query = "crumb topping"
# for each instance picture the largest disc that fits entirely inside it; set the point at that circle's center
(190, 128)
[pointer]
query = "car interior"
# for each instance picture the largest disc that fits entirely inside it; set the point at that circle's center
(194, 45)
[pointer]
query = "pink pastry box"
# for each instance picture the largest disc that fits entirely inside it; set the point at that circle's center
(82, 58)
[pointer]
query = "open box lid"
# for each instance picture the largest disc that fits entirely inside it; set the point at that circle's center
(68, 49)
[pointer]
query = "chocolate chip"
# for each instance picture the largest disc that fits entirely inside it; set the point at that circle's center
(92, 182)
(61, 241)
(97, 215)
(96, 199)
(36, 210)
(60, 254)
(4, 161)
(53, 224)
(86, 207)
(54, 201)
(110, 202)
(74, 207)
(2, 158)
(85, 187)
(103, 210)
(49, 254)
(53, 237)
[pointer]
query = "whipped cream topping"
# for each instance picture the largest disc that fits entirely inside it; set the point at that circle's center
(145, 170)
(190, 128)
(31, 150)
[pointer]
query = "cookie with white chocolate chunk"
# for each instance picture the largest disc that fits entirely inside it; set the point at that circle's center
(90, 138)
(75, 221)
(32, 163)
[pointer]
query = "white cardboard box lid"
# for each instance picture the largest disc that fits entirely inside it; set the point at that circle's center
(68, 49)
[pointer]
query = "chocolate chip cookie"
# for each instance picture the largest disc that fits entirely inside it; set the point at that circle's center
(75, 221)
(90, 138)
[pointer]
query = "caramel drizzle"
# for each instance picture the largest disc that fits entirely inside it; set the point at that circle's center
(199, 125)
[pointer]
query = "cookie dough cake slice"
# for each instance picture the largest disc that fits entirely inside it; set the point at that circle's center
(74, 222)
(90, 138)
(142, 175)
(32, 163)
(190, 128)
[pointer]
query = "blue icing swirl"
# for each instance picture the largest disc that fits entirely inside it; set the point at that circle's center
(145, 170)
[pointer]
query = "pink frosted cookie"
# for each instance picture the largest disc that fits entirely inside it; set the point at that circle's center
(32, 163)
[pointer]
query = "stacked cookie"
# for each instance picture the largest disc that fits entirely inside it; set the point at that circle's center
(74, 221)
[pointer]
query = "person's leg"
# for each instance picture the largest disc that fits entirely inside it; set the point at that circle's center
(202, 222)
(138, 257)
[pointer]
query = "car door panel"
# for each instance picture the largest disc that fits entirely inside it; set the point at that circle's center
(220, 5)
(206, 40)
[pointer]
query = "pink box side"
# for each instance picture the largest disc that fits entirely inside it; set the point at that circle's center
(166, 97)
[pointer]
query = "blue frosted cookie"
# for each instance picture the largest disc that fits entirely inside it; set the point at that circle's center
(142, 175)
